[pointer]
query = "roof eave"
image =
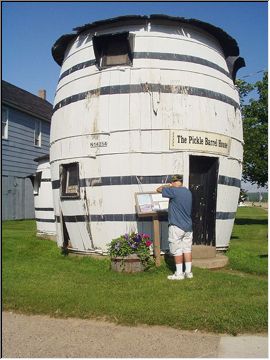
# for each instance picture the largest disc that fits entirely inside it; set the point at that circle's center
(18, 107)
(228, 44)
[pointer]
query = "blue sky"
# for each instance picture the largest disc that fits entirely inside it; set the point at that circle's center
(29, 29)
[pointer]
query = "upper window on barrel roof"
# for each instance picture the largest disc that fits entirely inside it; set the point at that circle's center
(113, 49)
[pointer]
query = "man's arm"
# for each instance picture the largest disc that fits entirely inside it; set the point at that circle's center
(159, 189)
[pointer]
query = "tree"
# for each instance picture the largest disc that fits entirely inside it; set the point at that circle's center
(255, 128)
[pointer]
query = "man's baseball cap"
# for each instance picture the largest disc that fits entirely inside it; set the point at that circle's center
(177, 178)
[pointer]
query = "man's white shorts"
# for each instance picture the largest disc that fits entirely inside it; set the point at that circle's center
(179, 241)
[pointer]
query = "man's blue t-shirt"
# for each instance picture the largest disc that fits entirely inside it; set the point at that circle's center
(180, 205)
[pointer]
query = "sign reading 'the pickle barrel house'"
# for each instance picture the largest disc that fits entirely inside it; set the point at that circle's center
(200, 141)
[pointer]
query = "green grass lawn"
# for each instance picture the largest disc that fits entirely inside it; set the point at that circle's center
(37, 279)
(249, 242)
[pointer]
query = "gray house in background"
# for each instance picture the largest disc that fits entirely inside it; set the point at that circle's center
(26, 120)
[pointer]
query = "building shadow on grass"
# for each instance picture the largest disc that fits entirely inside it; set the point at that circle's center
(262, 256)
(169, 261)
(243, 221)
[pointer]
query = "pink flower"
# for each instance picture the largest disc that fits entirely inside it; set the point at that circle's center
(148, 243)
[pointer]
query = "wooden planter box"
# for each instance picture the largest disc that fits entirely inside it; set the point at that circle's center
(128, 264)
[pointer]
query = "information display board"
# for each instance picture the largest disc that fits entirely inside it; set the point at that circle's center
(151, 203)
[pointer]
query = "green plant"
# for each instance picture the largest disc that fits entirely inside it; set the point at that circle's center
(133, 243)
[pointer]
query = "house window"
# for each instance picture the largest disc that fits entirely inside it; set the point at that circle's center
(4, 123)
(70, 181)
(113, 49)
(37, 133)
(37, 182)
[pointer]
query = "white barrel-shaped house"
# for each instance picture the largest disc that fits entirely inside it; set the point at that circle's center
(141, 98)
(43, 199)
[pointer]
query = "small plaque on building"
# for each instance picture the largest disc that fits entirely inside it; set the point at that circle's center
(200, 141)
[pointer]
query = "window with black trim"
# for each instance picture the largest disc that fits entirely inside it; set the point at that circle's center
(37, 182)
(4, 122)
(37, 133)
(113, 49)
(70, 181)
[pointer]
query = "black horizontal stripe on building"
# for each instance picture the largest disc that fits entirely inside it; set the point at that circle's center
(55, 184)
(119, 180)
(145, 87)
(230, 181)
(139, 180)
(44, 209)
(45, 180)
(220, 215)
(126, 180)
(179, 57)
(103, 218)
(129, 217)
(154, 56)
(46, 220)
(77, 67)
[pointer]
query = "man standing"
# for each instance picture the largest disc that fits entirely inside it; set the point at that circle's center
(180, 226)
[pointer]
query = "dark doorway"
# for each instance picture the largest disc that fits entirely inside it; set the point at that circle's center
(203, 173)
(66, 240)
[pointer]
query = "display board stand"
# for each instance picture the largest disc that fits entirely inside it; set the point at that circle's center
(156, 239)
(152, 204)
(156, 242)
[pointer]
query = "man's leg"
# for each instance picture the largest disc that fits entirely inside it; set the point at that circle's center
(187, 247)
(179, 264)
(188, 262)
(176, 250)
(178, 275)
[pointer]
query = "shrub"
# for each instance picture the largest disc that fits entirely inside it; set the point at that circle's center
(134, 243)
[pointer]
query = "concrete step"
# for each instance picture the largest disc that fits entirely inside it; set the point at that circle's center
(219, 261)
(203, 251)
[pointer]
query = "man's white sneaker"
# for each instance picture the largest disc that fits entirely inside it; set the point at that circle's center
(176, 276)
(189, 275)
